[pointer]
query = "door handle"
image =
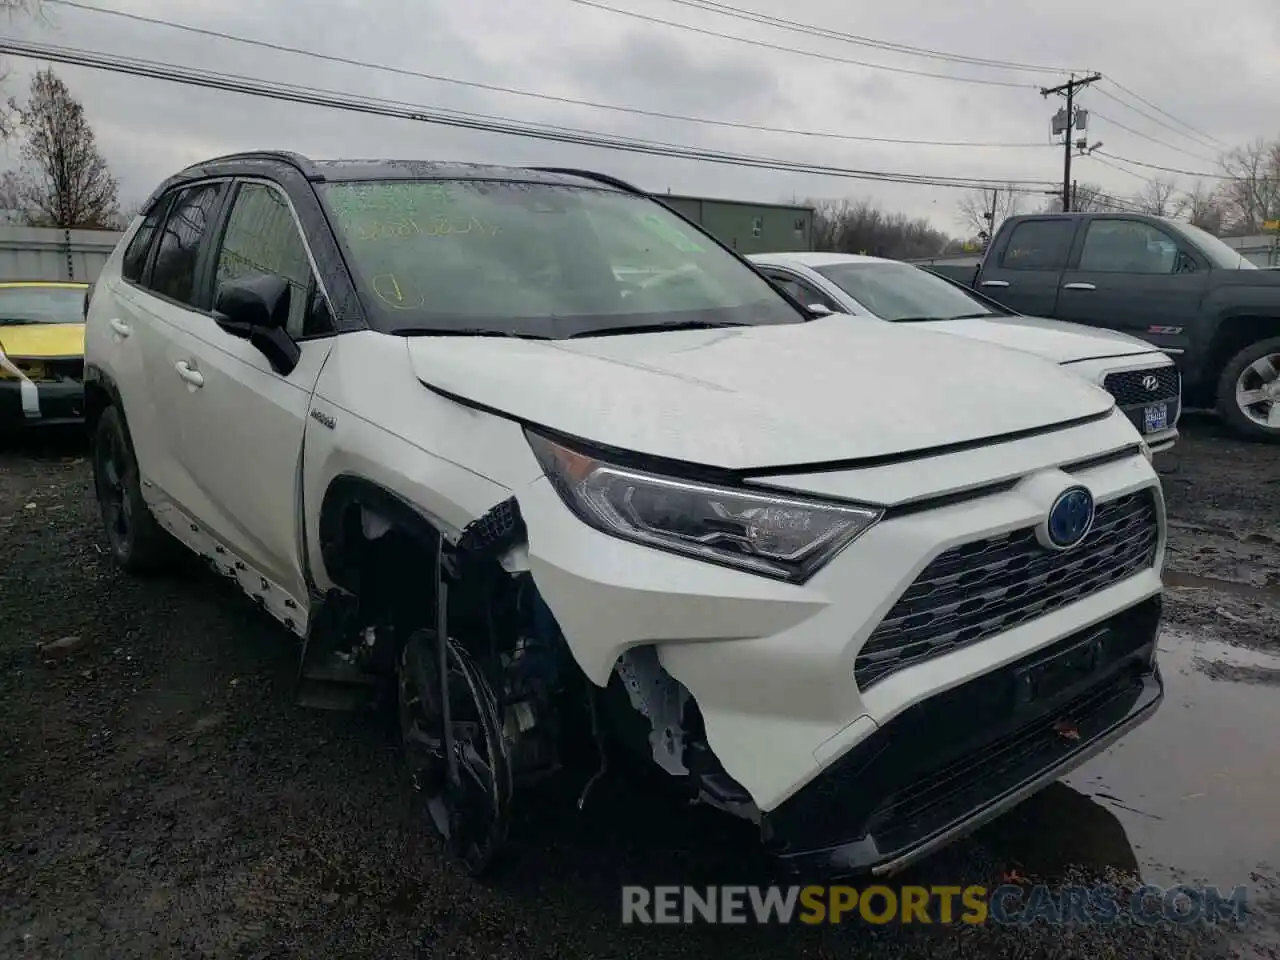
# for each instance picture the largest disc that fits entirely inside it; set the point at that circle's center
(995, 283)
(121, 328)
(1078, 286)
(188, 373)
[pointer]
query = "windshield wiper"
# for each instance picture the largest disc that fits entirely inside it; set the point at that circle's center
(463, 332)
(17, 321)
(652, 328)
(973, 316)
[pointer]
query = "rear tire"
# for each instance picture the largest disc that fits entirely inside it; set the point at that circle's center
(1249, 391)
(137, 542)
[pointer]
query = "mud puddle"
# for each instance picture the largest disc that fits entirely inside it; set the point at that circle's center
(1192, 796)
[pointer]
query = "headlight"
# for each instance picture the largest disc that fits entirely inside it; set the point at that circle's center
(782, 537)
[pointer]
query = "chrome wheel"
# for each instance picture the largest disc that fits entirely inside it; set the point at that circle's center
(1258, 391)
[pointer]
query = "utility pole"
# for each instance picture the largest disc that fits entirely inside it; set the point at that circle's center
(1066, 122)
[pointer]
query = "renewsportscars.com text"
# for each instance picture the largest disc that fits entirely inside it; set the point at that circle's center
(1007, 904)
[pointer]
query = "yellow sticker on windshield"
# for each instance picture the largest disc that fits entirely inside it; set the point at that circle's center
(675, 236)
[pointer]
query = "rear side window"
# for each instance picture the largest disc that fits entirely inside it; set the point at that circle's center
(178, 247)
(1039, 245)
(135, 255)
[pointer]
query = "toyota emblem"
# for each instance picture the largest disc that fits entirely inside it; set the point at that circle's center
(1151, 382)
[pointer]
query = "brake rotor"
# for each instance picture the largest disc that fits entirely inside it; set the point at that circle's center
(470, 806)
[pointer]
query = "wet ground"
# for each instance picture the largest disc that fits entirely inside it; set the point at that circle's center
(163, 797)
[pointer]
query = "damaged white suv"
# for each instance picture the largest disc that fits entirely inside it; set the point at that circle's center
(864, 585)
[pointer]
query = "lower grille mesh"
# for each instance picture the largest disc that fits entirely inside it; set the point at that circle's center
(977, 590)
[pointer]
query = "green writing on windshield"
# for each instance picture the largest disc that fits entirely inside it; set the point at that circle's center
(671, 233)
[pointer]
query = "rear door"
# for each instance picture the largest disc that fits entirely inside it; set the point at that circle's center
(1024, 270)
(1130, 275)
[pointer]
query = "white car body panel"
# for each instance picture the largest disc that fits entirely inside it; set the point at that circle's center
(777, 395)
(1089, 352)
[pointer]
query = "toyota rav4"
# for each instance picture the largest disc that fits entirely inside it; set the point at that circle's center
(563, 478)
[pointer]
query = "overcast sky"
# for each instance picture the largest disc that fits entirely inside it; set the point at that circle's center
(1213, 66)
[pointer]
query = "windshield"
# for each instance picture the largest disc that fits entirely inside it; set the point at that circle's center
(1220, 255)
(37, 304)
(901, 292)
(538, 260)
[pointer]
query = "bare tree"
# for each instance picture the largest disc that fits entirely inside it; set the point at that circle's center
(1203, 207)
(10, 9)
(981, 212)
(1252, 194)
(64, 180)
(1088, 198)
(859, 226)
(1159, 198)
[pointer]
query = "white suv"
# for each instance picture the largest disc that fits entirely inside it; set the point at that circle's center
(864, 585)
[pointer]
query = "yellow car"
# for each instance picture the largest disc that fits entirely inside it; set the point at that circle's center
(41, 353)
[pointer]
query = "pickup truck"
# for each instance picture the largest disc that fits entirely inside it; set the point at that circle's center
(1165, 281)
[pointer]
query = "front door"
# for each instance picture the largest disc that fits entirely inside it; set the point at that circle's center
(241, 422)
(1134, 277)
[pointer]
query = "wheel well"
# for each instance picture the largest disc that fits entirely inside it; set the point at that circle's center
(1232, 337)
(96, 399)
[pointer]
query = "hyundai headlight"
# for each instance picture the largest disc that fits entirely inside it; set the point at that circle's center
(783, 537)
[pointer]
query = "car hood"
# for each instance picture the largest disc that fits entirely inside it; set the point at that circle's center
(1054, 340)
(755, 397)
(43, 340)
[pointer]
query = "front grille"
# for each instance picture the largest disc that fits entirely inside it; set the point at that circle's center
(977, 590)
(1129, 391)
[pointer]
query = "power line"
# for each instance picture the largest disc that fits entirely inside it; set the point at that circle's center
(724, 9)
(378, 106)
(1155, 120)
(1107, 163)
(1157, 109)
(1146, 136)
(812, 54)
(658, 114)
(1185, 173)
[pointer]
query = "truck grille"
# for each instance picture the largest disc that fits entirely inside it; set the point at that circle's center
(977, 590)
(1128, 389)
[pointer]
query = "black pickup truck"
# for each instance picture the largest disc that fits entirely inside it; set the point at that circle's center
(1167, 282)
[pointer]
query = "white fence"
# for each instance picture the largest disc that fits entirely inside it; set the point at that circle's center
(51, 253)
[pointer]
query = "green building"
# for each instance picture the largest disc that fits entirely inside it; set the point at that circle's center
(748, 227)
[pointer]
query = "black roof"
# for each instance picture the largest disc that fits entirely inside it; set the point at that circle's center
(320, 171)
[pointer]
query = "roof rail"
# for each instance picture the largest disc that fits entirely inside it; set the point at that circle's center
(303, 164)
(593, 175)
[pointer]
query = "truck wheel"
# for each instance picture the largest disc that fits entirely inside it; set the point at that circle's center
(137, 542)
(1249, 391)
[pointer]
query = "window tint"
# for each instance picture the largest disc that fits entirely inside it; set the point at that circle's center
(1039, 245)
(174, 273)
(262, 238)
(1128, 246)
(135, 255)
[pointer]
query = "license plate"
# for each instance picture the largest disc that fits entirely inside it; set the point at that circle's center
(1045, 679)
(1155, 418)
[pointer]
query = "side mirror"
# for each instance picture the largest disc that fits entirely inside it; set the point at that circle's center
(256, 309)
(821, 309)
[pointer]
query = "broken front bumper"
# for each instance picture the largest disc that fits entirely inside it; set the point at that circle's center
(950, 763)
(31, 403)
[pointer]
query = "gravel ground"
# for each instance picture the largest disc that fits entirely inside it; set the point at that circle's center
(164, 797)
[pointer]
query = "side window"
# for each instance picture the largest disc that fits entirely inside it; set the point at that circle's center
(135, 255)
(802, 291)
(1128, 246)
(1039, 245)
(178, 249)
(262, 237)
